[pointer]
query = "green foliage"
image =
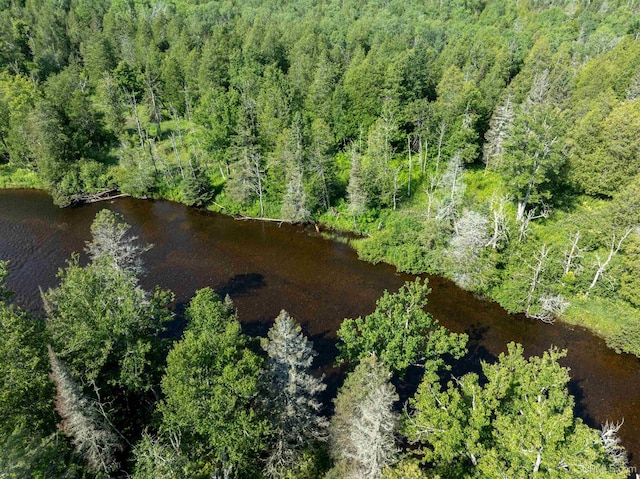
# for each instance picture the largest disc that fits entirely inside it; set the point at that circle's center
(400, 332)
(310, 112)
(518, 421)
(27, 453)
(5, 294)
(30, 447)
(401, 241)
(241, 107)
(406, 469)
(24, 383)
(156, 460)
(196, 190)
(104, 325)
(211, 385)
(607, 155)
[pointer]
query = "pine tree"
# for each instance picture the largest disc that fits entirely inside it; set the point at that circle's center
(292, 392)
(196, 190)
(89, 433)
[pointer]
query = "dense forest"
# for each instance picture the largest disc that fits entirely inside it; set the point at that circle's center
(107, 384)
(492, 142)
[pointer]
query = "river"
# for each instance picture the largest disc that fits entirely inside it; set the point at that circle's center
(266, 267)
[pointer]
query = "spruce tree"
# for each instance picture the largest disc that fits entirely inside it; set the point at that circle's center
(364, 423)
(292, 391)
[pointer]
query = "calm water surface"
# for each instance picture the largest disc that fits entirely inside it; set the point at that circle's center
(266, 268)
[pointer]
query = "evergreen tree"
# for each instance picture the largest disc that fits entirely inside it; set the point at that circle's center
(291, 394)
(89, 432)
(364, 423)
(195, 186)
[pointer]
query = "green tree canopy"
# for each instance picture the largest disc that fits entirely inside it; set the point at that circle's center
(400, 332)
(211, 386)
(516, 422)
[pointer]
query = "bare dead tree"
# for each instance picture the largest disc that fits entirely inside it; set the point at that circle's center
(613, 250)
(355, 189)
(550, 307)
(453, 185)
(430, 191)
(89, 434)
(499, 219)
(525, 218)
(536, 269)
(611, 442)
(574, 252)
(498, 132)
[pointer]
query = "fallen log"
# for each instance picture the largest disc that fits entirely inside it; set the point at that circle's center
(96, 197)
(242, 217)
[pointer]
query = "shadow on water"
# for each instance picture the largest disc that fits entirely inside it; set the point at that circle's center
(241, 284)
(575, 389)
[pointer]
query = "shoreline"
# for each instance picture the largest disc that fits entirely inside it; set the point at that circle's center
(347, 237)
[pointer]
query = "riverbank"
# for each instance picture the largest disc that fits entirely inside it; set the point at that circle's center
(392, 237)
(266, 267)
(13, 177)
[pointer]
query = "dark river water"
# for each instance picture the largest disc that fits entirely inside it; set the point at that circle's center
(266, 267)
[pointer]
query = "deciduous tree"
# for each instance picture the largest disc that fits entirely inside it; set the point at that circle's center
(400, 332)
